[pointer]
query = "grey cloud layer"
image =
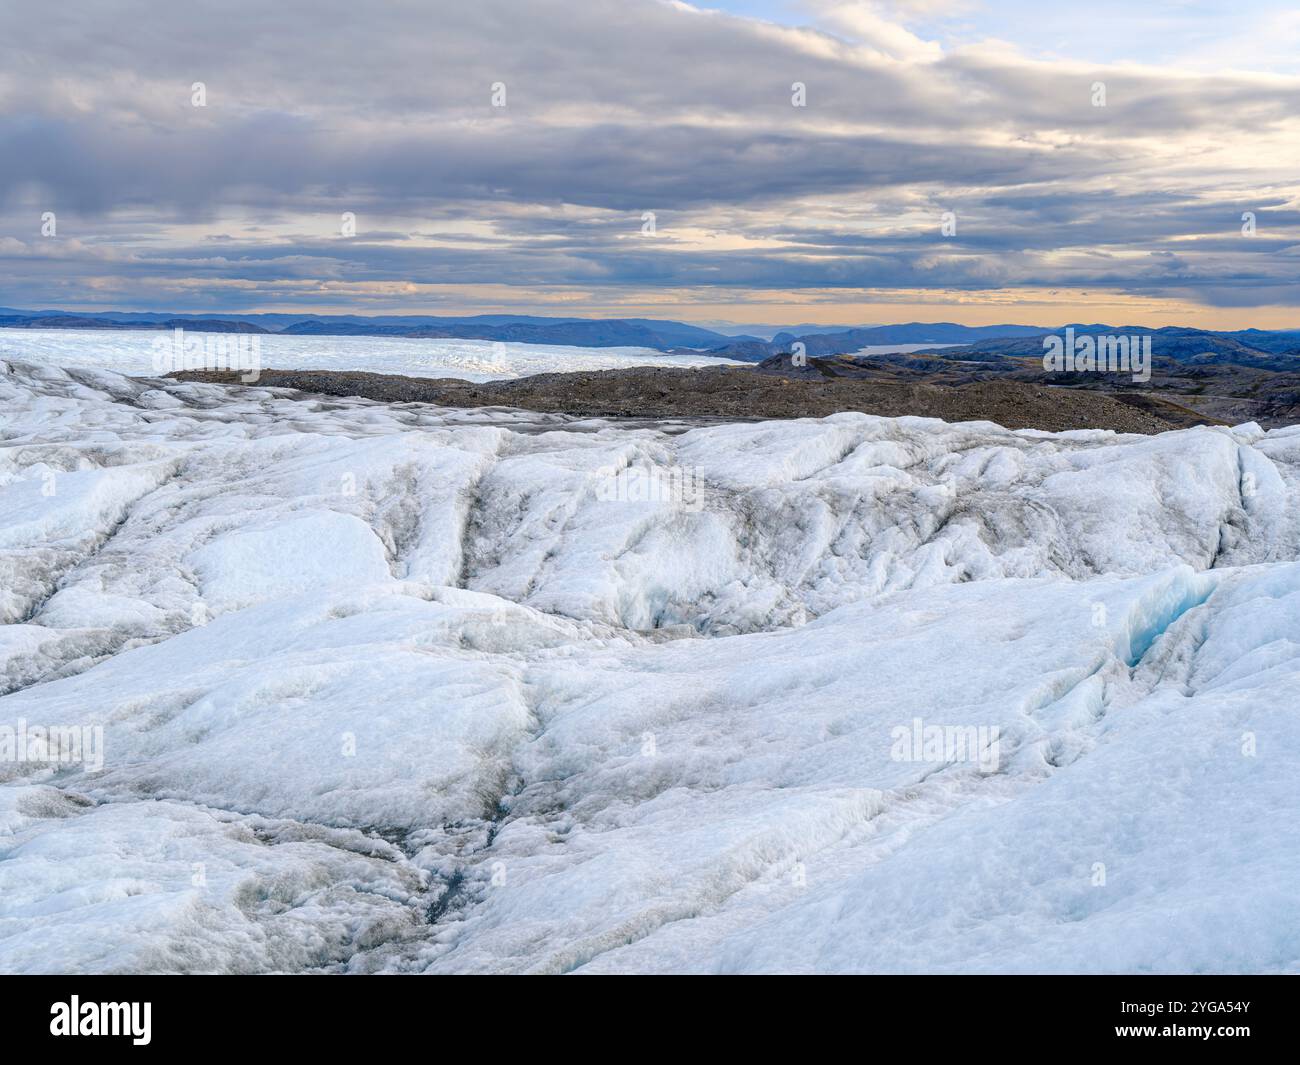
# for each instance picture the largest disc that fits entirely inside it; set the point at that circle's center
(613, 109)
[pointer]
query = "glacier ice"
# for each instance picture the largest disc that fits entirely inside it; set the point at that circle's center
(132, 351)
(401, 688)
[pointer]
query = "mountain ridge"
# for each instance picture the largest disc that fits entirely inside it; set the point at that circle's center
(948, 340)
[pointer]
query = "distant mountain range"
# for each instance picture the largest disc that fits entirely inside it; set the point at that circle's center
(1267, 349)
(519, 329)
(767, 332)
(57, 320)
(1263, 349)
(661, 335)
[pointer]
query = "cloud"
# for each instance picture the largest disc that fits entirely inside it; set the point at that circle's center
(614, 109)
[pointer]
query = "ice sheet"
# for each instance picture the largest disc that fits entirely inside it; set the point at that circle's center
(482, 691)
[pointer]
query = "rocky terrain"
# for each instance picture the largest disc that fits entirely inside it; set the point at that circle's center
(772, 390)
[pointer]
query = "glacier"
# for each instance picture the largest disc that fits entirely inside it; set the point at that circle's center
(132, 351)
(400, 688)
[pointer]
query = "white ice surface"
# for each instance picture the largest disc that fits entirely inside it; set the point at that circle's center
(131, 351)
(405, 689)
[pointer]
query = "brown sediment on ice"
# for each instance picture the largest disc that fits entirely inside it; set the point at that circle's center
(743, 393)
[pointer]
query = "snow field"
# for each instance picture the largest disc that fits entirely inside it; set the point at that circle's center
(406, 690)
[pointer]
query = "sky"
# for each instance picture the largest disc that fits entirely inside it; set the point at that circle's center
(749, 161)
